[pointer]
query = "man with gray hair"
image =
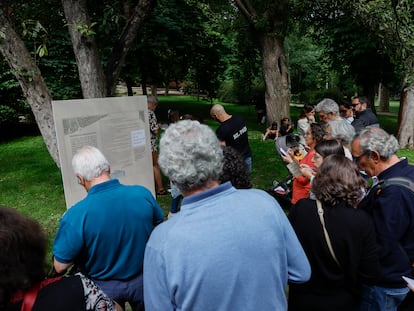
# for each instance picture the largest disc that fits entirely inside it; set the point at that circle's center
(105, 233)
(327, 110)
(227, 249)
(392, 209)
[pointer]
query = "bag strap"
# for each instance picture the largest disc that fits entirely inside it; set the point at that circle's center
(31, 295)
(397, 181)
(325, 232)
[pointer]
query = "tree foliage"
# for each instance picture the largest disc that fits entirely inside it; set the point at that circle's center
(393, 23)
(350, 46)
(180, 42)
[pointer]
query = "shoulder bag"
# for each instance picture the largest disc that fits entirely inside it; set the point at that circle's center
(325, 232)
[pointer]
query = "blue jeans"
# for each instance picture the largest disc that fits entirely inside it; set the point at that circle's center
(131, 291)
(376, 298)
(176, 198)
(248, 162)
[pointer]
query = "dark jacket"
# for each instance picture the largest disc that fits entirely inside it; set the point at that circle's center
(363, 119)
(393, 214)
(353, 239)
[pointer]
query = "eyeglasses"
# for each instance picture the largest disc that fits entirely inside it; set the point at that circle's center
(343, 111)
(357, 159)
(354, 105)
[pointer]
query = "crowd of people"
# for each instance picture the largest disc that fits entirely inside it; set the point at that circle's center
(344, 245)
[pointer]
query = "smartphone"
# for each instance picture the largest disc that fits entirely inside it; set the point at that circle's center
(283, 151)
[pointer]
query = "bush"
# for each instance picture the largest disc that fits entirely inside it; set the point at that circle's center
(226, 93)
(234, 92)
(315, 96)
(12, 127)
(7, 115)
(333, 93)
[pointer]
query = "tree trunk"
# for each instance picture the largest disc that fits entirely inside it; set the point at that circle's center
(90, 70)
(154, 89)
(370, 94)
(144, 85)
(406, 118)
(31, 81)
(122, 46)
(268, 23)
(383, 98)
(129, 84)
(276, 76)
(167, 88)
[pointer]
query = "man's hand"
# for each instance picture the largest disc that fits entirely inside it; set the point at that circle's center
(61, 267)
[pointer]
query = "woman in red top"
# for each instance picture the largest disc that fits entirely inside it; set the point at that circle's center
(301, 184)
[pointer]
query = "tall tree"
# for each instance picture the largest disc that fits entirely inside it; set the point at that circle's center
(30, 79)
(350, 46)
(85, 49)
(181, 42)
(89, 60)
(393, 22)
(268, 22)
(95, 80)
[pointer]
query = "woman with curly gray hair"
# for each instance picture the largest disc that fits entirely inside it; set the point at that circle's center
(190, 155)
(219, 233)
(337, 273)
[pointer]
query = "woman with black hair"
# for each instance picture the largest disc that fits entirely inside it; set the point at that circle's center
(306, 117)
(24, 280)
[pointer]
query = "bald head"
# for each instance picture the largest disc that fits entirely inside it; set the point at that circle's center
(217, 109)
(218, 113)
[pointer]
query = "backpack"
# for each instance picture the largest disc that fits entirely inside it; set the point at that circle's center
(282, 192)
(397, 181)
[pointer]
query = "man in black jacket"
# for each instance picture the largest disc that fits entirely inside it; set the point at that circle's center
(392, 210)
(364, 117)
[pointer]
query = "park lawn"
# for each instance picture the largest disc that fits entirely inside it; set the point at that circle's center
(31, 182)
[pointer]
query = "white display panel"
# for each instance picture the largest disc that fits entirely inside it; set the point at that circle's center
(118, 126)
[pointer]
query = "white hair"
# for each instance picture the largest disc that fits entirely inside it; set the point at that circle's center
(327, 106)
(376, 139)
(89, 162)
(342, 130)
(190, 155)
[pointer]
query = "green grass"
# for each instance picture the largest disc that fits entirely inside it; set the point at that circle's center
(31, 182)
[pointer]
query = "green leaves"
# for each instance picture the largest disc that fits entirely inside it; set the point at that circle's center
(42, 50)
(84, 28)
(33, 29)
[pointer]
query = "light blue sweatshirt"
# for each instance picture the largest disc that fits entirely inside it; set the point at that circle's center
(227, 250)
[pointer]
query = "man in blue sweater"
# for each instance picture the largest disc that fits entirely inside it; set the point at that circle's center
(392, 210)
(106, 232)
(227, 249)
